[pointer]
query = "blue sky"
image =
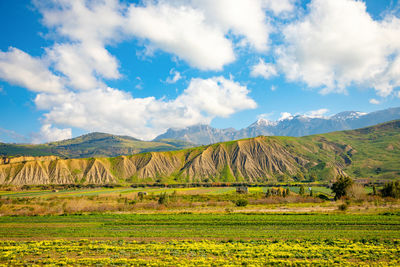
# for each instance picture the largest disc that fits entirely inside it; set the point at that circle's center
(138, 68)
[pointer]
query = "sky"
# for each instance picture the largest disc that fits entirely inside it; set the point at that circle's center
(70, 67)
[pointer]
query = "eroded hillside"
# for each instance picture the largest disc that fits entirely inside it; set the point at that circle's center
(259, 159)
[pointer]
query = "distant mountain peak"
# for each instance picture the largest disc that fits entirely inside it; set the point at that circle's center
(263, 122)
(287, 125)
(348, 115)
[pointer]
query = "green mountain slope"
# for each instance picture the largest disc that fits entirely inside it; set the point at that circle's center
(370, 153)
(92, 145)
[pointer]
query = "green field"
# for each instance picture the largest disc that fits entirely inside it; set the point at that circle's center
(199, 226)
(203, 240)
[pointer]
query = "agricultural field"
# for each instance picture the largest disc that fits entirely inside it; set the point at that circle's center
(196, 226)
(201, 239)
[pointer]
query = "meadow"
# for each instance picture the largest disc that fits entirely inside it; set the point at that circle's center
(194, 200)
(195, 226)
(201, 239)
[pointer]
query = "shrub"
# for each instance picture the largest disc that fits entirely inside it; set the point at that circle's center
(356, 191)
(391, 190)
(343, 207)
(301, 191)
(323, 197)
(241, 202)
(163, 199)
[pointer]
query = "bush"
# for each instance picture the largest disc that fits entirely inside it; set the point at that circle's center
(343, 207)
(323, 197)
(241, 202)
(301, 191)
(391, 190)
(163, 199)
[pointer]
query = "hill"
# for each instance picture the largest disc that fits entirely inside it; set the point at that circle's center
(372, 153)
(92, 145)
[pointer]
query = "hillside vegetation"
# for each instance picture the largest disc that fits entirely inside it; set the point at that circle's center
(92, 145)
(372, 153)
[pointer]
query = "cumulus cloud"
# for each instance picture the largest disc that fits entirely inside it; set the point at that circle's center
(262, 69)
(316, 113)
(112, 110)
(244, 18)
(217, 96)
(319, 113)
(338, 44)
(49, 133)
(181, 31)
(285, 116)
(374, 101)
(279, 7)
(19, 68)
(89, 26)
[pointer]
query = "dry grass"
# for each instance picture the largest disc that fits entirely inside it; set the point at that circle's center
(180, 203)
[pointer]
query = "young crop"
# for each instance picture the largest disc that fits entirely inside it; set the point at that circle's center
(200, 253)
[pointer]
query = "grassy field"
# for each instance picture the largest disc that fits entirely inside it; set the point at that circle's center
(201, 239)
(195, 227)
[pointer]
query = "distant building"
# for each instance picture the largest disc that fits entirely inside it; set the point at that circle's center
(242, 190)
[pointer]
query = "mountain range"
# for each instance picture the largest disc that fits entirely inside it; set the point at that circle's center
(92, 145)
(299, 125)
(368, 153)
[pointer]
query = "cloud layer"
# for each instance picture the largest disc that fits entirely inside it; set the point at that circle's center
(331, 45)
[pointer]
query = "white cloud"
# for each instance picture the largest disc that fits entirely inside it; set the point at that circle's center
(181, 31)
(176, 76)
(89, 27)
(48, 133)
(217, 96)
(279, 7)
(242, 17)
(374, 101)
(338, 44)
(19, 68)
(273, 88)
(285, 116)
(265, 70)
(316, 113)
(111, 110)
(84, 21)
(319, 113)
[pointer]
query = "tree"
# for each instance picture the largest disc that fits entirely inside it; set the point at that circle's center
(341, 186)
(374, 190)
(391, 189)
(163, 199)
(268, 193)
(301, 191)
(287, 191)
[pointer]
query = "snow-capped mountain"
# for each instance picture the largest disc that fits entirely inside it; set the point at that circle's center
(298, 125)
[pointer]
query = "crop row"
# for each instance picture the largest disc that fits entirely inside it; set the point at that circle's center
(203, 253)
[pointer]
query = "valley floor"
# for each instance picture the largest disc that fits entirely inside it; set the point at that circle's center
(201, 239)
(194, 227)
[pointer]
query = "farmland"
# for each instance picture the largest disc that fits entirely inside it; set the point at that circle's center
(195, 226)
(205, 239)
